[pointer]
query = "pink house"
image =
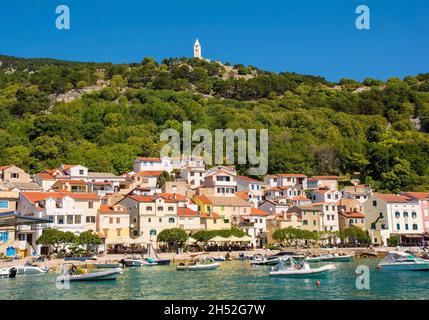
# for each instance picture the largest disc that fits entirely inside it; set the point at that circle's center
(423, 199)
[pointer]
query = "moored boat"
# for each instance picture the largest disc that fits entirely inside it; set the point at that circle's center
(134, 262)
(400, 261)
(330, 258)
(8, 272)
(299, 270)
(199, 265)
(79, 274)
(28, 269)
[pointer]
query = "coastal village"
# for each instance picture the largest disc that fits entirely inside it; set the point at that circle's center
(135, 207)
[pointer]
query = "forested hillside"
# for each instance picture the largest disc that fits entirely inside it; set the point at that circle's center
(376, 130)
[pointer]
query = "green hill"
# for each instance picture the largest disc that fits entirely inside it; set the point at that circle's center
(376, 130)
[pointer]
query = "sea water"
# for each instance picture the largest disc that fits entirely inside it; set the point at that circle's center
(233, 280)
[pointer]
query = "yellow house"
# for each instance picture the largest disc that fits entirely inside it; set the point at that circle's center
(113, 223)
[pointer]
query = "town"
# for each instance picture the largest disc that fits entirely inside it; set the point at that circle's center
(165, 193)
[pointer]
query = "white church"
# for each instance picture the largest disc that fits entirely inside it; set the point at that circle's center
(197, 51)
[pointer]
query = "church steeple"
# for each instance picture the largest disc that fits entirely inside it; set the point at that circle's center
(197, 50)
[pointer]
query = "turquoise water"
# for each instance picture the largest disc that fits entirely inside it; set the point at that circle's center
(233, 280)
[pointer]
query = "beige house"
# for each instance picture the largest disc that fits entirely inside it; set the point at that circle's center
(113, 223)
(12, 173)
(8, 201)
(228, 208)
(351, 218)
(149, 215)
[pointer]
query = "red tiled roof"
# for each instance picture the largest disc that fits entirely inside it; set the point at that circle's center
(39, 196)
(149, 173)
(6, 167)
(392, 197)
(68, 166)
(417, 195)
(149, 159)
(187, 212)
(152, 198)
(76, 182)
(300, 198)
(174, 196)
(249, 179)
(242, 194)
(212, 215)
(110, 209)
(45, 176)
(257, 212)
(357, 215)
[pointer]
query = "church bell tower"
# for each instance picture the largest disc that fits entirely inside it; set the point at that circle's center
(197, 50)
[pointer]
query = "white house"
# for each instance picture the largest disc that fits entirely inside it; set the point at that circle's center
(394, 215)
(325, 195)
(254, 188)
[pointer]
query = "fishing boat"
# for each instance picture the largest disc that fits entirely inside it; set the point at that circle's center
(400, 261)
(198, 265)
(79, 274)
(299, 270)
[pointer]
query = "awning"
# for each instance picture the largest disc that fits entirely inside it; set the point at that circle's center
(14, 218)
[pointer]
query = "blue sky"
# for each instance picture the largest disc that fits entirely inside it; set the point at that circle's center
(306, 36)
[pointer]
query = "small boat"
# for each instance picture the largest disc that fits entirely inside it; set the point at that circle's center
(219, 259)
(400, 261)
(80, 274)
(261, 260)
(153, 257)
(107, 265)
(80, 258)
(29, 269)
(299, 270)
(135, 262)
(8, 272)
(202, 264)
(242, 256)
(330, 258)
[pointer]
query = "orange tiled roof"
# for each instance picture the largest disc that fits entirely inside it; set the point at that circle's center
(392, 197)
(417, 195)
(6, 167)
(187, 212)
(257, 212)
(212, 215)
(110, 209)
(352, 215)
(203, 199)
(149, 173)
(291, 175)
(149, 159)
(249, 179)
(39, 196)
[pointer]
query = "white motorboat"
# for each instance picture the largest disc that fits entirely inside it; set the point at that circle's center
(401, 261)
(298, 270)
(8, 272)
(26, 269)
(79, 274)
(330, 258)
(202, 264)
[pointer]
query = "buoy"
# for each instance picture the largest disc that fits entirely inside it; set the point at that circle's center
(318, 283)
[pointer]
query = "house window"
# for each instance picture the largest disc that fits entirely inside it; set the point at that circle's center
(160, 219)
(398, 226)
(77, 219)
(170, 208)
(118, 232)
(4, 204)
(383, 227)
(149, 219)
(148, 208)
(81, 172)
(171, 220)
(405, 214)
(381, 215)
(406, 226)
(374, 203)
(415, 227)
(314, 223)
(305, 222)
(69, 219)
(90, 219)
(111, 220)
(160, 208)
(152, 232)
(60, 220)
(414, 215)
(90, 205)
(397, 214)
(118, 220)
